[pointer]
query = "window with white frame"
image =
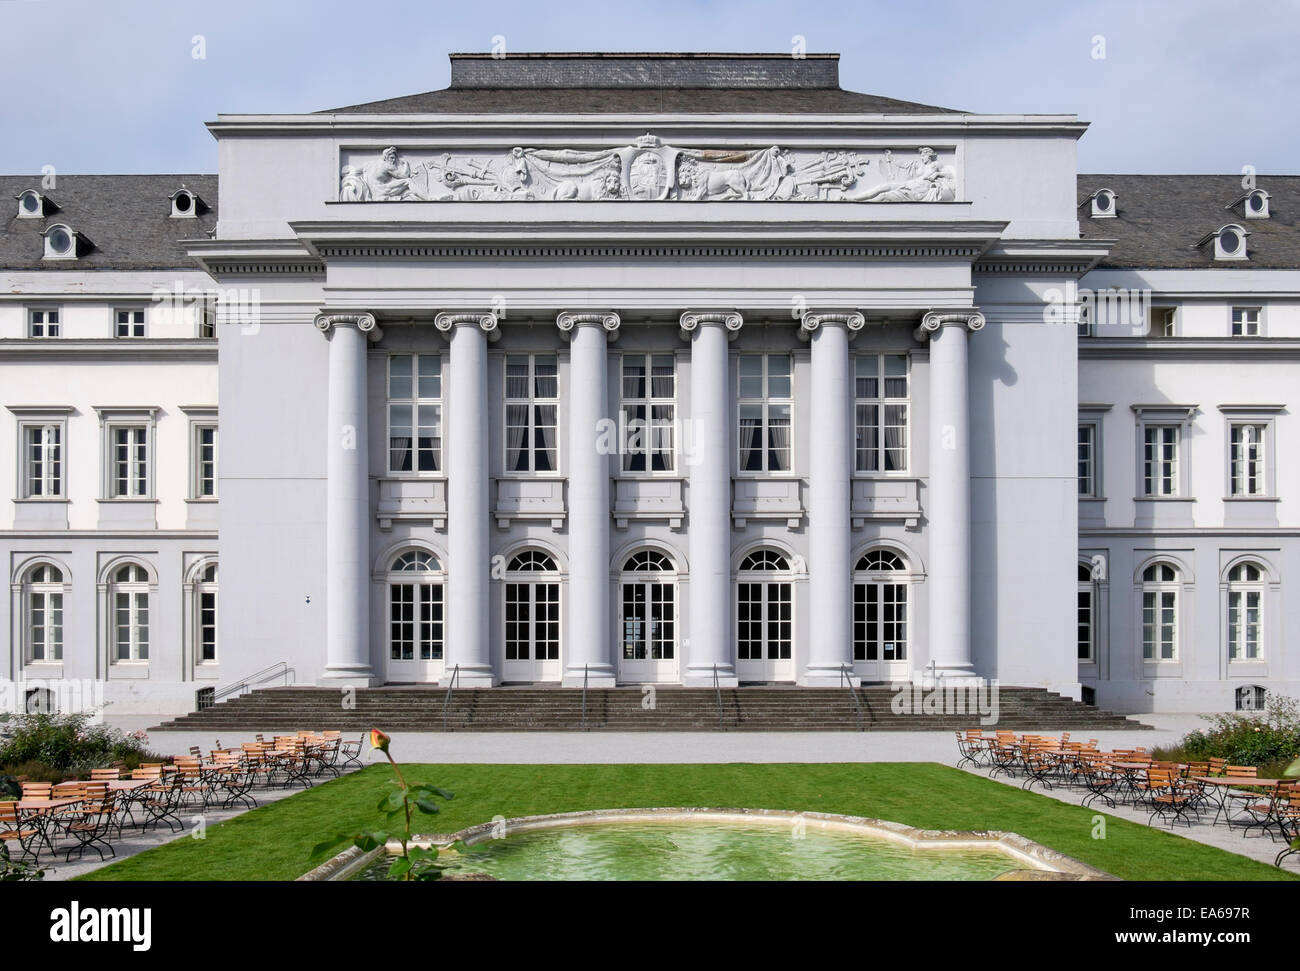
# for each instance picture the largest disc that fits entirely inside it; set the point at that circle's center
(764, 411)
(415, 413)
(1160, 444)
(880, 616)
(1246, 457)
(532, 608)
(415, 608)
(1246, 612)
(881, 410)
(205, 615)
(43, 323)
(648, 594)
(42, 460)
(43, 613)
(764, 607)
(1160, 589)
(532, 413)
(207, 322)
(128, 474)
(205, 462)
(129, 596)
(1245, 321)
(1087, 459)
(649, 412)
(1083, 322)
(1086, 614)
(128, 323)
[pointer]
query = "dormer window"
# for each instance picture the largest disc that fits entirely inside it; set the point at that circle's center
(1229, 242)
(1103, 204)
(63, 243)
(1256, 204)
(185, 204)
(32, 205)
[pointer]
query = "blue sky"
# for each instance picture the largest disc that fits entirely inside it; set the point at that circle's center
(112, 86)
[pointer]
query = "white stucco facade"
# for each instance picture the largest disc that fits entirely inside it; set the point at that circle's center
(867, 463)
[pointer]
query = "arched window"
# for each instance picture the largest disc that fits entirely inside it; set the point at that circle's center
(129, 595)
(1160, 582)
(205, 615)
(43, 594)
(532, 617)
(1246, 612)
(415, 608)
(880, 607)
(1086, 616)
(764, 616)
(648, 604)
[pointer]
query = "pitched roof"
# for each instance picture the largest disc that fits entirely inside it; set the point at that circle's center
(642, 83)
(126, 218)
(1159, 219)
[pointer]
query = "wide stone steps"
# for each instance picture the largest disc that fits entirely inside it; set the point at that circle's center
(632, 709)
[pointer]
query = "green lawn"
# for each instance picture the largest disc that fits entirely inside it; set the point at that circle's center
(273, 842)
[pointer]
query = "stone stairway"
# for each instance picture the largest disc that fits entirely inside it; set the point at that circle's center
(783, 708)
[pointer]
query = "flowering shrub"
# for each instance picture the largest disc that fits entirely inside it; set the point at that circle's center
(1263, 739)
(69, 744)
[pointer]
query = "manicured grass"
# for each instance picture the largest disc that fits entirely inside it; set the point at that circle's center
(273, 842)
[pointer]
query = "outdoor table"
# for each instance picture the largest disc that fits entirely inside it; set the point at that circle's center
(1130, 771)
(38, 814)
(1224, 784)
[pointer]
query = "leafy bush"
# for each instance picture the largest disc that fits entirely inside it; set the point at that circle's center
(1267, 739)
(68, 744)
(15, 871)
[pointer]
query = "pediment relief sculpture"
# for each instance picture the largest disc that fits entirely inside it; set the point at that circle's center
(648, 170)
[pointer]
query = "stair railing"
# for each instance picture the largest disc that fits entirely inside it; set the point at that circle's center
(446, 699)
(584, 697)
(717, 691)
(847, 678)
(207, 697)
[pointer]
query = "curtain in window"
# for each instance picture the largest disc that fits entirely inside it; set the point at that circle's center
(778, 438)
(895, 438)
(751, 438)
(547, 428)
(517, 438)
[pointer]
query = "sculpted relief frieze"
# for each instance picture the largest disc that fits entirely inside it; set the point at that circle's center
(648, 170)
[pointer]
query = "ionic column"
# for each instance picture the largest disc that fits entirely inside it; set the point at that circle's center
(712, 641)
(948, 510)
(830, 473)
(347, 501)
(469, 616)
(588, 645)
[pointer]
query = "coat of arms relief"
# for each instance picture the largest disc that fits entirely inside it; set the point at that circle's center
(649, 170)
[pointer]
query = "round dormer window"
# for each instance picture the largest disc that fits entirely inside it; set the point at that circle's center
(1103, 201)
(60, 241)
(1257, 201)
(1230, 242)
(183, 202)
(30, 202)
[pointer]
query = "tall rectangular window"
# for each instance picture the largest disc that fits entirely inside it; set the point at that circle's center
(1159, 625)
(1087, 459)
(765, 409)
(881, 409)
(128, 323)
(532, 413)
(205, 461)
(414, 413)
(649, 412)
(1245, 321)
(42, 461)
(43, 323)
(1160, 460)
(129, 472)
(207, 626)
(1246, 459)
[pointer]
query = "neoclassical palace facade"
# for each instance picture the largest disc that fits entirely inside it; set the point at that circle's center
(637, 368)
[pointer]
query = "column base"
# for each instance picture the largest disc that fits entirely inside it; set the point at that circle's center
(825, 676)
(473, 676)
(702, 677)
(597, 676)
(348, 676)
(955, 675)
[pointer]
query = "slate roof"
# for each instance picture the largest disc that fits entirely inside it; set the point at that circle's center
(126, 218)
(1160, 218)
(642, 83)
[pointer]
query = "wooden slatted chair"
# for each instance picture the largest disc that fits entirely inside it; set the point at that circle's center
(1167, 796)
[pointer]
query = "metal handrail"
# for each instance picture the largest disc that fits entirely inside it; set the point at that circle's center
(275, 670)
(717, 691)
(446, 699)
(845, 676)
(584, 697)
